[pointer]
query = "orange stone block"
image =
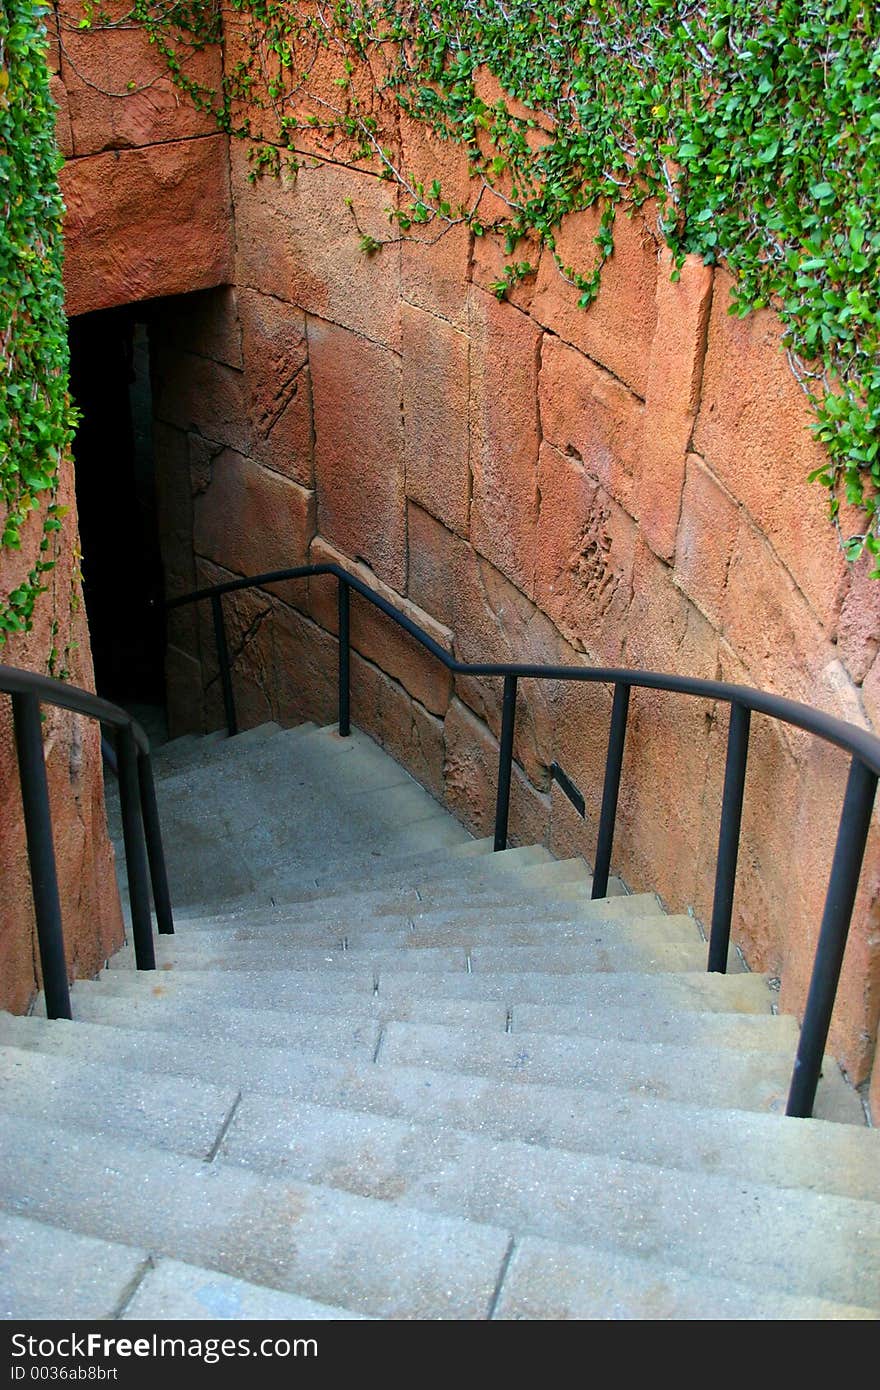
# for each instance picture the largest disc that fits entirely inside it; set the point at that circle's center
(298, 238)
(277, 386)
(146, 223)
(753, 430)
(359, 469)
(250, 519)
(583, 557)
(617, 330)
(120, 94)
(673, 392)
(471, 779)
(590, 416)
(383, 709)
(504, 436)
(435, 413)
(434, 264)
(707, 532)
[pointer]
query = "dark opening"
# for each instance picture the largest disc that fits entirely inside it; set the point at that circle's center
(116, 500)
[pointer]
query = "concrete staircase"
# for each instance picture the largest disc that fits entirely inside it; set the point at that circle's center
(381, 1072)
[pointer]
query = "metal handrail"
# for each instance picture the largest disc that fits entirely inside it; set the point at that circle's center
(855, 818)
(142, 835)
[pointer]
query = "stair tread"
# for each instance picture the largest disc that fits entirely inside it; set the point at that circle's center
(765, 1148)
(411, 1261)
(295, 1237)
(716, 1078)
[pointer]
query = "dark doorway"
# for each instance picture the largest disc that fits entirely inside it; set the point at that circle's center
(116, 500)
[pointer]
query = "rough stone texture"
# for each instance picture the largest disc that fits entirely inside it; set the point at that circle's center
(618, 329)
(435, 413)
(589, 416)
(96, 68)
(434, 266)
(297, 239)
(277, 385)
(383, 709)
(753, 430)
(504, 436)
(249, 518)
(359, 448)
(471, 778)
(89, 899)
(707, 532)
(183, 188)
(379, 639)
(672, 396)
(583, 557)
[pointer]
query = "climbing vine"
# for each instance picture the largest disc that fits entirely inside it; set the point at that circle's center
(36, 417)
(753, 127)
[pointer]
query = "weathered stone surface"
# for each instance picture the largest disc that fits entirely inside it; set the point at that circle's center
(359, 448)
(305, 664)
(383, 709)
(198, 394)
(504, 436)
(618, 328)
(435, 555)
(182, 187)
(380, 640)
(277, 385)
(206, 323)
(471, 779)
(707, 532)
(435, 413)
(769, 622)
(434, 261)
(97, 66)
(672, 398)
(583, 557)
(184, 696)
(858, 633)
(301, 242)
(753, 430)
(588, 415)
(248, 616)
(250, 519)
(91, 917)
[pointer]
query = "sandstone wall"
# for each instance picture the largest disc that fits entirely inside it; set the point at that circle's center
(91, 917)
(531, 482)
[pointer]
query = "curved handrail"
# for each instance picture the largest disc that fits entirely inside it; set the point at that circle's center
(860, 742)
(855, 819)
(142, 836)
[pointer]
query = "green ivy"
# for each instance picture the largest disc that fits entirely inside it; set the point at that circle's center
(754, 126)
(36, 417)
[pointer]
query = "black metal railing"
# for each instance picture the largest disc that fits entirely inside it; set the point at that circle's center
(855, 818)
(142, 836)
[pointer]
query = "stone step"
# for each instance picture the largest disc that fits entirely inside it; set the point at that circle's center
(310, 1241)
(49, 1272)
(734, 993)
(713, 1077)
(356, 1019)
(555, 1282)
(821, 1245)
(493, 927)
(631, 953)
(180, 1113)
(764, 1148)
(717, 1077)
(219, 746)
(576, 1004)
(172, 1291)
(522, 879)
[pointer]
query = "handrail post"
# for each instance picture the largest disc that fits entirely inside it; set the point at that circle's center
(610, 790)
(223, 664)
(849, 851)
(135, 853)
(344, 612)
(41, 853)
(505, 762)
(728, 836)
(155, 851)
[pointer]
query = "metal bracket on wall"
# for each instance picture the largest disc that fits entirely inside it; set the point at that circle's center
(568, 786)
